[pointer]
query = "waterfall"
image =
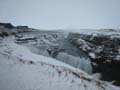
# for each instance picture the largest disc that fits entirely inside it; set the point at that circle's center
(81, 63)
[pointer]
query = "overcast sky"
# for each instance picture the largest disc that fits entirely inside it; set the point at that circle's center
(61, 14)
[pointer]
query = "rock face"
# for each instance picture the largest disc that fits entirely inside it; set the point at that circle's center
(7, 29)
(6, 25)
(103, 50)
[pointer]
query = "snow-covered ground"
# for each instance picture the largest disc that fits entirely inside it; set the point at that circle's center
(20, 69)
(46, 60)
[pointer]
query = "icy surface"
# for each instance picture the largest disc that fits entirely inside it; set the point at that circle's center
(20, 69)
(55, 44)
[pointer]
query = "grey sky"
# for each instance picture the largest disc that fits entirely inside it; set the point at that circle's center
(62, 14)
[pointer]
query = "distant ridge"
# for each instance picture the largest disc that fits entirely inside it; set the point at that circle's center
(7, 25)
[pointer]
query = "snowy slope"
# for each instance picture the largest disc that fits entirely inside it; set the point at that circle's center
(20, 69)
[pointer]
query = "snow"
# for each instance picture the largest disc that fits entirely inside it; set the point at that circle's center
(92, 55)
(55, 43)
(20, 69)
(10, 48)
(96, 76)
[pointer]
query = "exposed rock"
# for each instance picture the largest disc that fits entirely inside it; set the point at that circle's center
(22, 27)
(103, 51)
(6, 25)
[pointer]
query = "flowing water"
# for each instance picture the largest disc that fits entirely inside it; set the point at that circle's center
(56, 45)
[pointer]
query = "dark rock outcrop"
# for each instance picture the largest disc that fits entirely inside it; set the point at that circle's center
(103, 51)
(6, 25)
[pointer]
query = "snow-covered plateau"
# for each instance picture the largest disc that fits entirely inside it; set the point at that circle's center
(49, 60)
